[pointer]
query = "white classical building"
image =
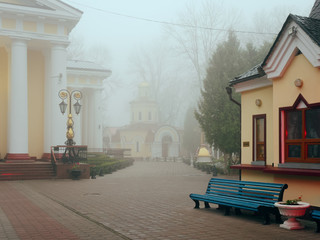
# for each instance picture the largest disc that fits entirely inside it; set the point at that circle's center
(33, 40)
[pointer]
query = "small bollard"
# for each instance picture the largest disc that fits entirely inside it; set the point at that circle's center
(214, 171)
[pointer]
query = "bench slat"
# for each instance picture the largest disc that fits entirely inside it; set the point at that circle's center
(239, 196)
(243, 190)
(271, 188)
(262, 194)
(240, 201)
(254, 196)
(224, 201)
(315, 214)
(248, 183)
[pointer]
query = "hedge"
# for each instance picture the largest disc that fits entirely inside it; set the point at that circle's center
(102, 164)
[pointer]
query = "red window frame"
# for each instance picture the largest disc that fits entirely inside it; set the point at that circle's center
(261, 144)
(302, 142)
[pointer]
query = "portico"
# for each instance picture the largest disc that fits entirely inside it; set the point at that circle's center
(33, 41)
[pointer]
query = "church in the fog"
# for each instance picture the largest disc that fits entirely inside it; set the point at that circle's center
(145, 136)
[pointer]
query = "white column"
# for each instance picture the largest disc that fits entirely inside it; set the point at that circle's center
(98, 120)
(55, 122)
(92, 119)
(18, 102)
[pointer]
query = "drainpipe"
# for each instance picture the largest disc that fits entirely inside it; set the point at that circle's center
(229, 92)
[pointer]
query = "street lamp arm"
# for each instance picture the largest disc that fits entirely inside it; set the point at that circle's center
(66, 94)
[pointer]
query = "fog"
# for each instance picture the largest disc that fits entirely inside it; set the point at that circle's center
(151, 40)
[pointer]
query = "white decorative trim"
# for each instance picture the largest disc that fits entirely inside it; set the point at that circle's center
(40, 27)
(61, 29)
(287, 47)
(167, 130)
(60, 14)
(301, 105)
(89, 73)
(59, 10)
(38, 36)
(19, 24)
(84, 86)
(252, 84)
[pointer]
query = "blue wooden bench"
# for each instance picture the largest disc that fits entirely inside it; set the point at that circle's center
(315, 214)
(255, 196)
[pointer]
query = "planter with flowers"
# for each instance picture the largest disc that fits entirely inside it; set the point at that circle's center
(75, 171)
(292, 209)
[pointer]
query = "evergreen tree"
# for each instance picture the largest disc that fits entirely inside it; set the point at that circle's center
(218, 117)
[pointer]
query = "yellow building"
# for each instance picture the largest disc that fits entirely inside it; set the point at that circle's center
(280, 104)
(33, 68)
(145, 136)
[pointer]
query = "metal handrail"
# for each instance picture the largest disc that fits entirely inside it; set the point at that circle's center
(53, 161)
(70, 154)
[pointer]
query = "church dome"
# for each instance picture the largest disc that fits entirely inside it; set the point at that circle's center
(203, 152)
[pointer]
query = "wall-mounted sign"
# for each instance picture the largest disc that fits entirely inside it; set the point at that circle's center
(246, 144)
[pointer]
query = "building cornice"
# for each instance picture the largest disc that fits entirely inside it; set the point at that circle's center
(57, 39)
(95, 73)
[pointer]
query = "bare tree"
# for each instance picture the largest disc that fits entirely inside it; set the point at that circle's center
(98, 54)
(156, 65)
(266, 24)
(76, 49)
(199, 32)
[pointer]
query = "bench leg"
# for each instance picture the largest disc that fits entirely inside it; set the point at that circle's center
(278, 218)
(206, 204)
(197, 203)
(227, 211)
(238, 211)
(265, 213)
(220, 207)
(266, 219)
(318, 226)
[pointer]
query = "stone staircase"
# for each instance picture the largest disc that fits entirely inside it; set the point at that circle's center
(26, 171)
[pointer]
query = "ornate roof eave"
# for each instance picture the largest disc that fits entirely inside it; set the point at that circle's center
(253, 79)
(251, 84)
(253, 73)
(293, 37)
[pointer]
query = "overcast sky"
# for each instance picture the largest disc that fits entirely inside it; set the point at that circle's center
(104, 22)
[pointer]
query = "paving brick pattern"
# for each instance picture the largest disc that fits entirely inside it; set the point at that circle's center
(149, 200)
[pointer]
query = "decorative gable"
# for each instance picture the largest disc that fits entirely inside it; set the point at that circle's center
(42, 19)
(297, 34)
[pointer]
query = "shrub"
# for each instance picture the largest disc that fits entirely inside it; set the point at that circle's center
(102, 164)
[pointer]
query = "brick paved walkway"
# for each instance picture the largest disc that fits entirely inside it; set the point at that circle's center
(148, 200)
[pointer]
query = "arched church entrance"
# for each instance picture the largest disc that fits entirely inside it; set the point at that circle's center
(166, 142)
